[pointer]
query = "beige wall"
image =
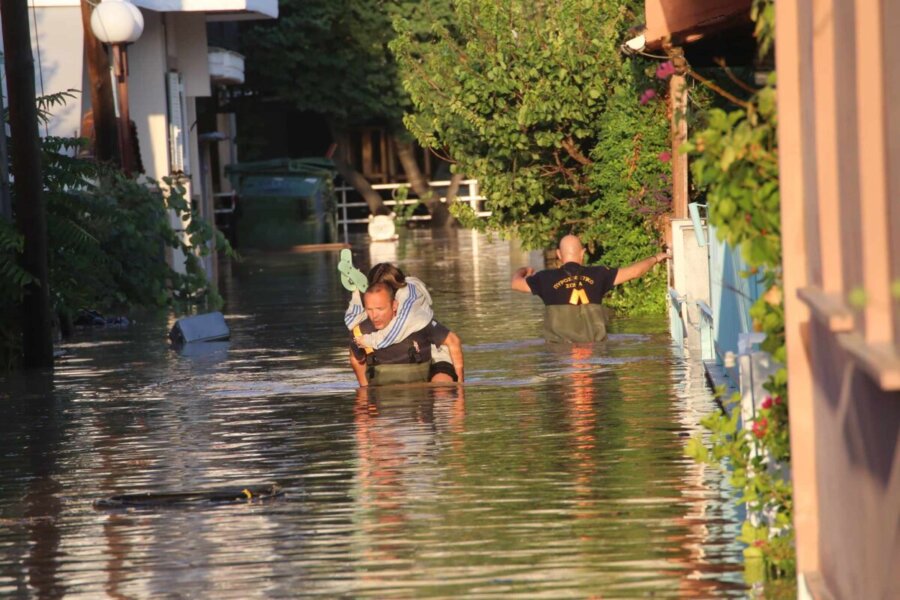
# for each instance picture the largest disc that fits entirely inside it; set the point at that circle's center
(188, 52)
(840, 159)
(59, 45)
(147, 95)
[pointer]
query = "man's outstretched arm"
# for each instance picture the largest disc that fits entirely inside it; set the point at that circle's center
(635, 270)
(518, 282)
(359, 369)
(454, 344)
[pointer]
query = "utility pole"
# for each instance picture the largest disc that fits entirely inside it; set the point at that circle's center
(26, 168)
(5, 198)
(101, 91)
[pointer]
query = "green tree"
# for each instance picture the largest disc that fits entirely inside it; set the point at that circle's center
(331, 57)
(535, 100)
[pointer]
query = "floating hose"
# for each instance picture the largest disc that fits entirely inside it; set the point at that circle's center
(230, 495)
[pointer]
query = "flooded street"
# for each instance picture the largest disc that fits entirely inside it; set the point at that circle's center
(554, 472)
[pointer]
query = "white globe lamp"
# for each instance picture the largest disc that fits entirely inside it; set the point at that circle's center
(117, 22)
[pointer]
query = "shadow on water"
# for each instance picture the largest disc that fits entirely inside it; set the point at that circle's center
(555, 471)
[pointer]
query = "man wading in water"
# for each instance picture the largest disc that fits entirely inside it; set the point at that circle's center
(573, 293)
(406, 361)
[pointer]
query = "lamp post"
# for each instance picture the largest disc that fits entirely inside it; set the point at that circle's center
(118, 23)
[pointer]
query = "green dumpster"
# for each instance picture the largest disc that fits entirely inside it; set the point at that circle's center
(284, 202)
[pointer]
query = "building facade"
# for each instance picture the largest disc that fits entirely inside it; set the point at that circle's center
(171, 66)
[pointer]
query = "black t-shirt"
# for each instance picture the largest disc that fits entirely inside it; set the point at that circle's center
(416, 347)
(572, 284)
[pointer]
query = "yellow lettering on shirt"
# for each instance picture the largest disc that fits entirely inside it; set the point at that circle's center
(572, 280)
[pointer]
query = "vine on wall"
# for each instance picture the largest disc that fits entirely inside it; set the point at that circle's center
(735, 160)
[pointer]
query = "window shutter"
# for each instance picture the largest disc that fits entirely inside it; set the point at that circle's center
(178, 131)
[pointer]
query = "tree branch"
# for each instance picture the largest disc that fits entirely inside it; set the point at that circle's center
(569, 144)
(742, 103)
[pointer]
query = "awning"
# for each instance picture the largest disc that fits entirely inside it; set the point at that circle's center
(216, 10)
(686, 21)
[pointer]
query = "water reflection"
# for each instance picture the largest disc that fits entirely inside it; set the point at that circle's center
(40, 489)
(400, 433)
(555, 471)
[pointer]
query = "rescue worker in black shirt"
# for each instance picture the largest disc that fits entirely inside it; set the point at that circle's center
(409, 360)
(573, 293)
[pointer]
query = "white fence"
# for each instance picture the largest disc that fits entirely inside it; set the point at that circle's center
(472, 196)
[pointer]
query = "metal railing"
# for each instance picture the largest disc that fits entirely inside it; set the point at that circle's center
(707, 341)
(680, 319)
(472, 197)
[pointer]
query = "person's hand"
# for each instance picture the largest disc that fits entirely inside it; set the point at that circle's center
(359, 342)
(663, 256)
(524, 272)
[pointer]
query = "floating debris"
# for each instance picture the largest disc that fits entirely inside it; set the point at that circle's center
(230, 495)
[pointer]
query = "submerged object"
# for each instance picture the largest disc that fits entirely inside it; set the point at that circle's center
(229, 495)
(199, 328)
(381, 228)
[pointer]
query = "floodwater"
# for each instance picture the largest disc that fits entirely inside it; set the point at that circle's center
(555, 472)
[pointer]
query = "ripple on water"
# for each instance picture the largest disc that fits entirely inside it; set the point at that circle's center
(554, 472)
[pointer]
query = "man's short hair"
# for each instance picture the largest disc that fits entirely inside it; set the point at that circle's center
(380, 287)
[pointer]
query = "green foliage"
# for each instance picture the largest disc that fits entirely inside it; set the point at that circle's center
(735, 161)
(755, 459)
(107, 238)
(402, 210)
(331, 57)
(539, 105)
(46, 103)
(11, 245)
(108, 233)
(13, 280)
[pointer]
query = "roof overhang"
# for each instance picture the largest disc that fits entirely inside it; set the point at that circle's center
(686, 21)
(216, 10)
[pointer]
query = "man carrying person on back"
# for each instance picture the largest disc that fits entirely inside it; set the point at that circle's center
(573, 293)
(406, 361)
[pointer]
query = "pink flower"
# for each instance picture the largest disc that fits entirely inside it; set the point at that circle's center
(648, 95)
(665, 156)
(778, 400)
(767, 402)
(665, 70)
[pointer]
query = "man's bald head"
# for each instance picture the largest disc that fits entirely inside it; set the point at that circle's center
(570, 250)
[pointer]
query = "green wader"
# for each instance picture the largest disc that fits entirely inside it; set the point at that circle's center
(399, 373)
(414, 371)
(575, 323)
